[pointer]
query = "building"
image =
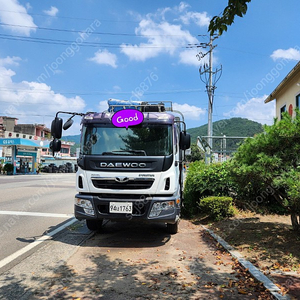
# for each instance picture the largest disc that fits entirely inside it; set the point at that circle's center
(27, 131)
(33, 131)
(27, 144)
(7, 124)
(65, 150)
(287, 93)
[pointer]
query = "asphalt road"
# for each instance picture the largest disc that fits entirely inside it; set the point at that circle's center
(32, 206)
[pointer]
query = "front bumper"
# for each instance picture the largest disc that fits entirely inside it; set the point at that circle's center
(141, 208)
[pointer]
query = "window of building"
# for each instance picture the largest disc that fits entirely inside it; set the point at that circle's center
(17, 135)
(64, 150)
(282, 110)
(297, 100)
(24, 136)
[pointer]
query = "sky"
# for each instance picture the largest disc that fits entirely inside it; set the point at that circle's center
(75, 55)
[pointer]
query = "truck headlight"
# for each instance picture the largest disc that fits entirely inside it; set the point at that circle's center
(86, 205)
(161, 208)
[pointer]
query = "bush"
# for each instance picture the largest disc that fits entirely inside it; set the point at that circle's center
(203, 181)
(217, 208)
(8, 168)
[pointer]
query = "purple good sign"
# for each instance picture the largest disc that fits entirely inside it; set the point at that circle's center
(127, 117)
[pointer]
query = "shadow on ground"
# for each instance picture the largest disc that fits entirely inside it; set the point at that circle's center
(142, 262)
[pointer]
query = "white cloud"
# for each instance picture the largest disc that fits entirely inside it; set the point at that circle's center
(182, 6)
(290, 53)
(102, 106)
(189, 57)
(161, 38)
(200, 18)
(13, 13)
(254, 109)
(104, 57)
(10, 61)
(190, 112)
(28, 6)
(33, 102)
(117, 88)
(52, 12)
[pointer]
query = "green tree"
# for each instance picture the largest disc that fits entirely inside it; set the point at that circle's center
(266, 167)
(219, 24)
(196, 154)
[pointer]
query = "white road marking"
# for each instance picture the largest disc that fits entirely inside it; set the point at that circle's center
(40, 240)
(34, 214)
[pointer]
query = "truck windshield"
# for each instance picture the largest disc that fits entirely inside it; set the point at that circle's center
(153, 140)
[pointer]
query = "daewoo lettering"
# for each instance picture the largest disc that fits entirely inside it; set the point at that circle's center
(122, 165)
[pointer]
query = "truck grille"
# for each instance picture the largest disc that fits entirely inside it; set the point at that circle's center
(123, 183)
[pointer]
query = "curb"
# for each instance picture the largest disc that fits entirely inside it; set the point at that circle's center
(255, 272)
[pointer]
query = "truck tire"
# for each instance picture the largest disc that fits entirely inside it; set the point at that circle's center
(94, 225)
(172, 228)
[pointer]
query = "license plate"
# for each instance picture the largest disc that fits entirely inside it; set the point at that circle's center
(120, 207)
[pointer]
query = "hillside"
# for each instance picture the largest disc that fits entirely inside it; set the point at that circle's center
(72, 138)
(229, 127)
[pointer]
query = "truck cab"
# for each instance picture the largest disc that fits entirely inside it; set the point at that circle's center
(131, 172)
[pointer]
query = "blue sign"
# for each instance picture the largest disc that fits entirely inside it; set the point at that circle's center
(23, 142)
(26, 153)
(9, 142)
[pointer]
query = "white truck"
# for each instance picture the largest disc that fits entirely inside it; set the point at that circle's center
(129, 169)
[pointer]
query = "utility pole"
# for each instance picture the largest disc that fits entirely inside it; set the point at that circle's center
(209, 78)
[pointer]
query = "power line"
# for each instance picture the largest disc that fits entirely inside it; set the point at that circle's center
(67, 42)
(50, 41)
(37, 91)
(80, 93)
(71, 18)
(14, 114)
(194, 46)
(80, 31)
(243, 51)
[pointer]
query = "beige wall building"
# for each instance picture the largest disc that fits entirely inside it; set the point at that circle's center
(287, 93)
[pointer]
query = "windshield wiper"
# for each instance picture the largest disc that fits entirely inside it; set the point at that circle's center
(119, 152)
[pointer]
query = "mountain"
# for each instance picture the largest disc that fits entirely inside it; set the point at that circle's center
(72, 138)
(230, 127)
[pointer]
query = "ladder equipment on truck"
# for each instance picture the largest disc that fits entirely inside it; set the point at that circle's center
(115, 105)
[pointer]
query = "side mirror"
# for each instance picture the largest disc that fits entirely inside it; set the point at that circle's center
(56, 128)
(185, 140)
(68, 123)
(55, 145)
